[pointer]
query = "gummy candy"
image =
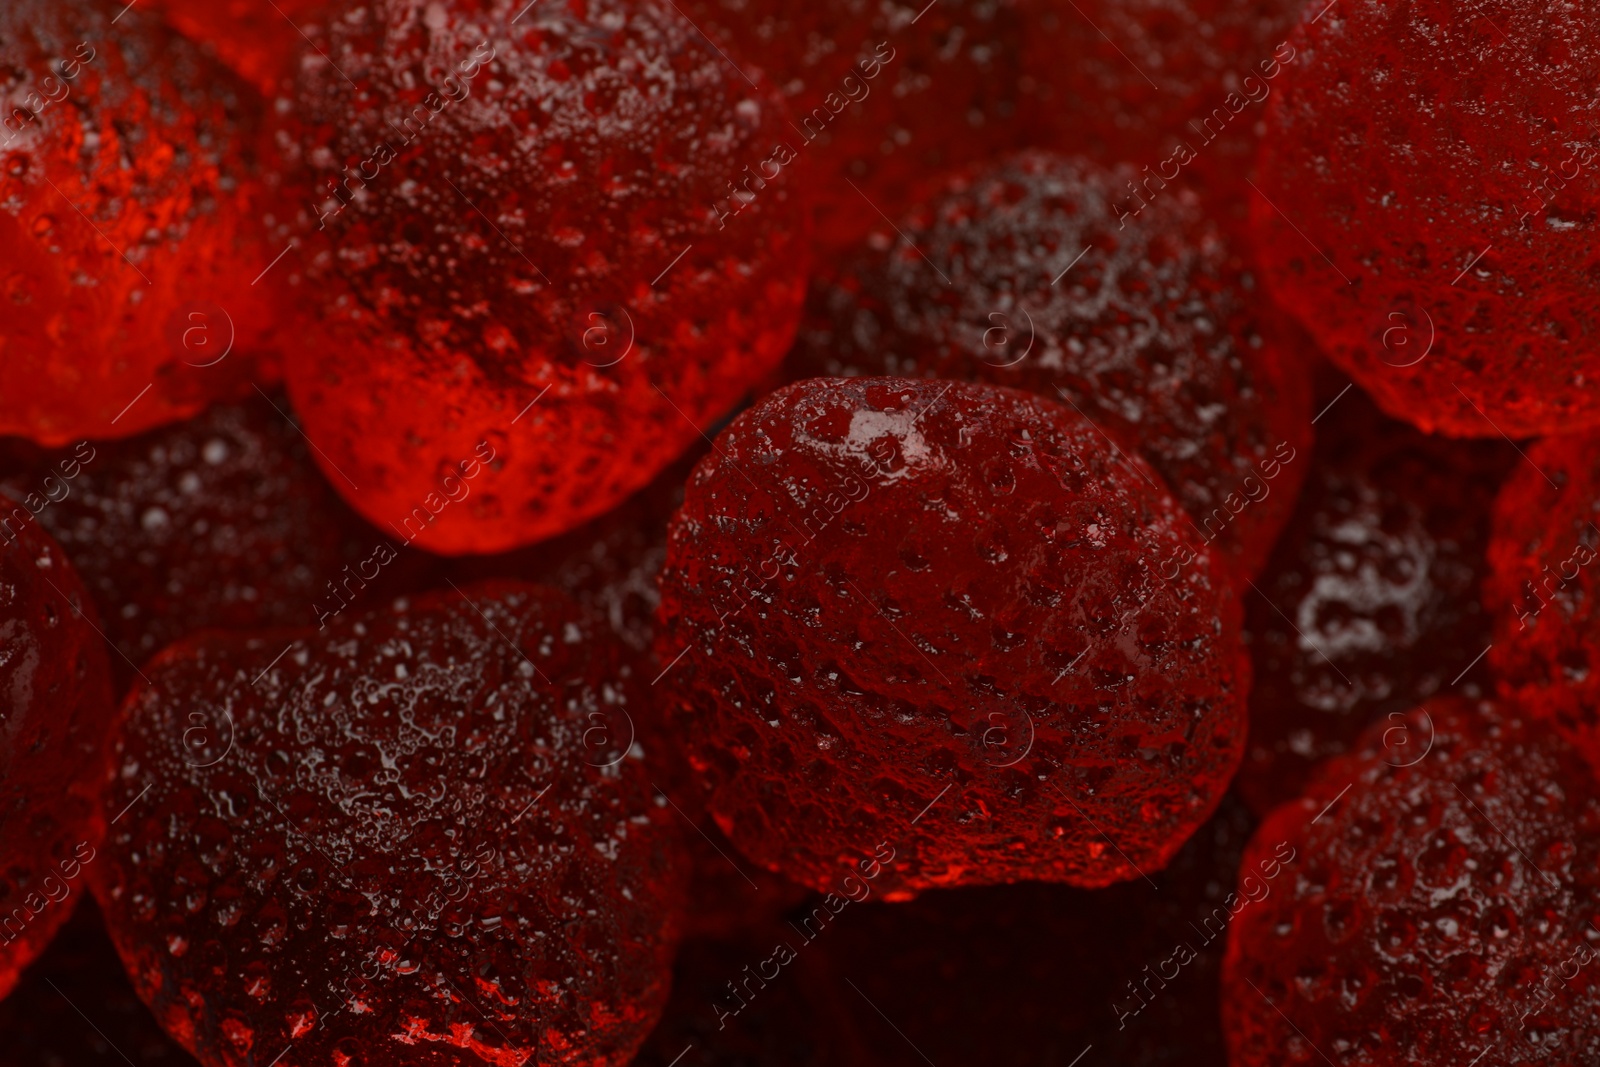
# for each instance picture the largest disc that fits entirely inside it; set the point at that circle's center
(421, 835)
(220, 521)
(127, 204)
(57, 711)
(1150, 328)
(1434, 903)
(525, 253)
(1426, 206)
(1541, 587)
(881, 94)
(880, 591)
(258, 40)
(1369, 603)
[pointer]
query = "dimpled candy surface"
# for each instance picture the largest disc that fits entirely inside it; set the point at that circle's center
(57, 712)
(1432, 176)
(420, 837)
(258, 40)
(1370, 602)
(524, 250)
(1174, 87)
(1442, 909)
(1542, 584)
(884, 589)
(883, 94)
(1153, 330)
(220, 521)
(127, 234)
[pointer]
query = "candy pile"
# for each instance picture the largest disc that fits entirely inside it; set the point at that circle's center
(747, 532)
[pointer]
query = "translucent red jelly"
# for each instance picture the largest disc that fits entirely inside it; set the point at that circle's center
(1427, 207)
(1370, 602)
(128, 225)
(882, 96)
(1427, 910)
(1149, 326)
(518, 245)
(887, 595)
(419, 836)
(57, 710)
(1542, 584)
(258, 40)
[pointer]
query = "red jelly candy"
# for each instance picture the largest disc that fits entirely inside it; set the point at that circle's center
(1430, 909)
(882, 590)
(1542, 584)
(1369, 604)
(395, 841)
(57, 711)
(882, 95)
(1176, 88)
(1429, 208)
(127, 205)
(521, 256)
(258, 40)
(1150, 329)
(222, 521)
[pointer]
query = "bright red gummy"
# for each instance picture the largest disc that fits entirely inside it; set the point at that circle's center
(57, 710)
(421, 837)
(128, 233)
(534, 265)
(257, 40)
(1541, 588)
(1429, 211)
(882, 588)
(1440, 910)
(1152, 329)
(1370, 602)
(883, 95)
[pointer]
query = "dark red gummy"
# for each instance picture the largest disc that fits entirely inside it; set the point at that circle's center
(1156, 333)
(521, 255)
(420, 836)
(57, 711)
(222, 521)
(1429, 210)
(1542, 585)
(1369, 604)
(258, 40)
(75, 1008)
(882, 95)
(1441, 909)
(1025, 975)
(883, 590)
(1176, 88)
(128, 233)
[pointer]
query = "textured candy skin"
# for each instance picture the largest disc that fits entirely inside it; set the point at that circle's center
(1453, 194)
(882, 587)
(1156, 334)
(146, 151)
(57, 711)
(1174, 87)
(882, 94)
(221, 521)
(258, 41)
(1370, 602)
(1541, 587)
(417, 835)
(1442, 907)
(1025, 975)
(540, 305)
(80, 969)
